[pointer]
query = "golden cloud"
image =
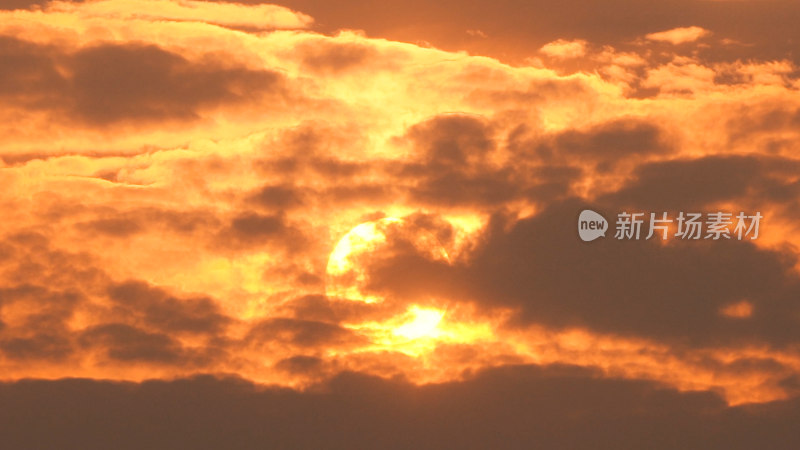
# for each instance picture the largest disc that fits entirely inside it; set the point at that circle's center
(194, 187)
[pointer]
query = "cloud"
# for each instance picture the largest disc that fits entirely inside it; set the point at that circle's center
(55, 311)
(40, 346)
(517, 26)
(259, 16)
(278, 197)
(29, 75)
(21, 4)
(605, 144)
(157, 309)
(323, 55)
(174, 189)
(303, 333)
(676, 293)
(699, 183)
(677, 36)
(512, 407)
(111, 83)
(123, 343)
(454, 165)
(564, 49)
(115, 82)
(249, 229)
(40, 296)
(671, 292)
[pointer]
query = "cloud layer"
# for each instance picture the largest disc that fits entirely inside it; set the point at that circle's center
(216, 188)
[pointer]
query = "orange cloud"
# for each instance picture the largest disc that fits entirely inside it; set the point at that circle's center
(677, 36)
(260, 16)
(182, 198)
(565, 49)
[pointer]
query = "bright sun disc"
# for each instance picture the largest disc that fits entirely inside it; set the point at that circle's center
(423, 323)
(348, 264)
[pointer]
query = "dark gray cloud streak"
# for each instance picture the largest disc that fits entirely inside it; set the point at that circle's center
(111, 83)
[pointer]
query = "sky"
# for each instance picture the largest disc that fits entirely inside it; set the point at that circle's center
(356, 224)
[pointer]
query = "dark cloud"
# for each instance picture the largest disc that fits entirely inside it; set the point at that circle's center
(515, 29)
(158, 309)
(672, 292)
(255, 225)
(453, 164)
(44, 345)
(604, 144)
(116, 227)
(552, 182)
(125, 343)
(436, 225)
(278, 197)
(112, 83)
(685, 184)
(359, 193)
(791, 384)
(122, 343)
(335, 169)
(118, 82)
(319, 308)
(44, 287)
(122, 224)
(313, 170)
(765, 119)
(250, 229)
(400, 270)
(538, 94)
(457, 160)
(327, 56)
(27, 4)
(335, 311)
(46, 308)
(749, 365)
(511, 407)
(341, 190)
(303, 333)
(301, 365)
(452, 140)
(462, 189)
(28, 74)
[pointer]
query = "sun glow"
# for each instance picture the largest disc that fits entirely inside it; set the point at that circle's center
(423, 323)
(361, 238)
(420, 330)
(417, 327)
(349, 262)
(344, 273)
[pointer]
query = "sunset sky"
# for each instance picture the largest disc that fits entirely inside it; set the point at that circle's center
(354, 224)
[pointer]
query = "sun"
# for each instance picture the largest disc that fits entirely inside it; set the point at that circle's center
(345, 275)
(411, 326)
(421, 323)
(348, 262)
